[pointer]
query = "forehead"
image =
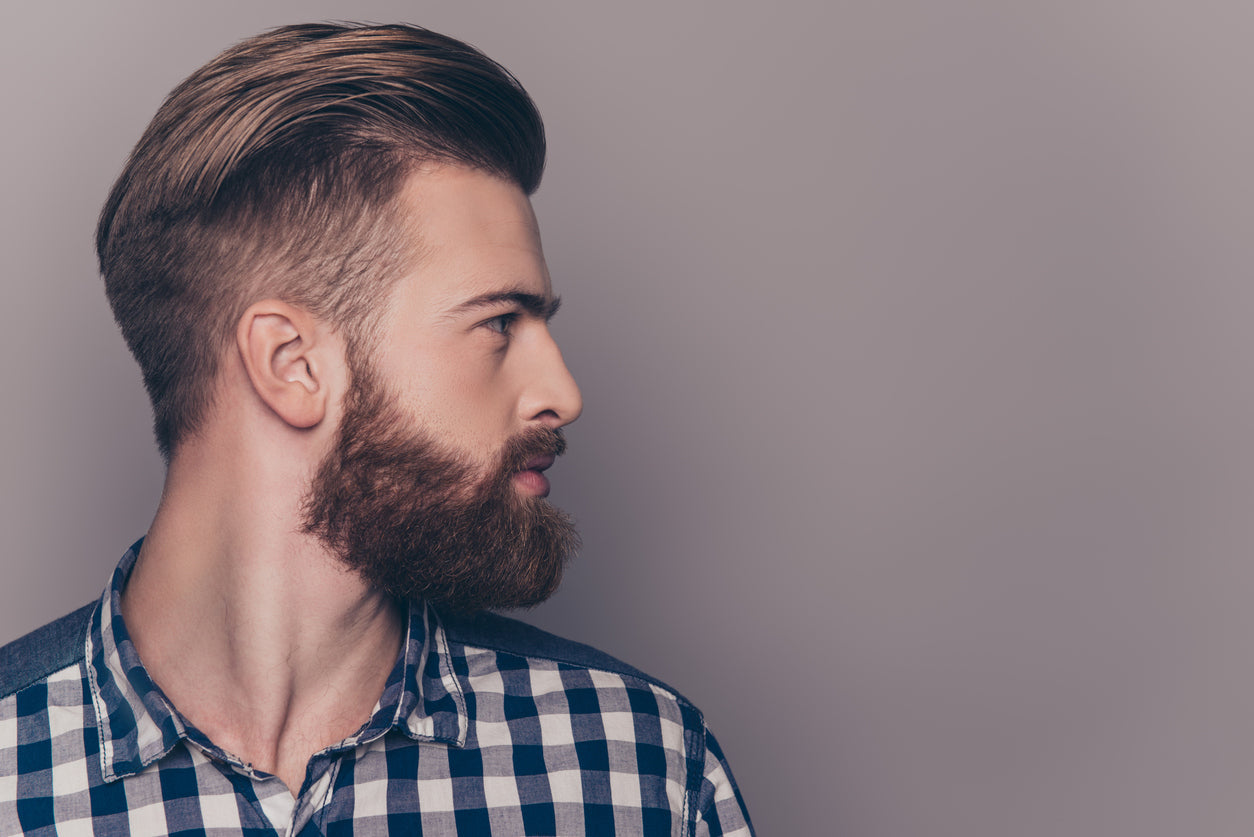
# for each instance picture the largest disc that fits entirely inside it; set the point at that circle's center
(477, 235)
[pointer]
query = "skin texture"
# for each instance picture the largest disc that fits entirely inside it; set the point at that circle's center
(254, 628)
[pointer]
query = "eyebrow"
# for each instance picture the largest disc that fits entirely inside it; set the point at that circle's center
(534, 304)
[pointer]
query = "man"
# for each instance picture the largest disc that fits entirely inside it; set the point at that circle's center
(323, 256)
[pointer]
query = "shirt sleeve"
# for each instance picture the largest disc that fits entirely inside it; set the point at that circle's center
(720, 809)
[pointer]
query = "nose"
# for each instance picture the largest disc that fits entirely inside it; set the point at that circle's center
(551, 397)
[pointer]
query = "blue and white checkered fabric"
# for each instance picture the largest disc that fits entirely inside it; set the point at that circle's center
(485, 727)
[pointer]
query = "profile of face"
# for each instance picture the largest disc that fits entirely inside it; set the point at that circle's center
(434, 488)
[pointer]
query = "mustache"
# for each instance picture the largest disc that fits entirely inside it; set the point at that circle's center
(530, 443)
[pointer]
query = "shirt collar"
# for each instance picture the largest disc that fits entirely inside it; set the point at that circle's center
(138, 724)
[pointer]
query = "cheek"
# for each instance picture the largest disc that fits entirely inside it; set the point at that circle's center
(477, 410)
(461, 393)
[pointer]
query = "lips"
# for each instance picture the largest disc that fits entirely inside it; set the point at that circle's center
(532, 479)
(540, 463)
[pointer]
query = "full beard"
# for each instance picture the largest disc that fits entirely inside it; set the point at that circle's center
(422, 523)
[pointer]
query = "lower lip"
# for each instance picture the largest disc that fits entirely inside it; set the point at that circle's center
(533, 482)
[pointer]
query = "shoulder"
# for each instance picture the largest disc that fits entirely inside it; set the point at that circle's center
(519, 673)
(44, 651)
(492, 632)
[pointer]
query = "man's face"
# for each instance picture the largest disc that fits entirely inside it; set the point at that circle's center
(435, 487)
(464, 341)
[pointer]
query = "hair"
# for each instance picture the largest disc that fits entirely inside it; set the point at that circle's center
(274, 170)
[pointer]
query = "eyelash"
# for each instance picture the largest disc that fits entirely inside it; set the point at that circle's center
(506, 321)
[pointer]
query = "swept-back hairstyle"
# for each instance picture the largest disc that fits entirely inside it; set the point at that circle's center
(274, 171)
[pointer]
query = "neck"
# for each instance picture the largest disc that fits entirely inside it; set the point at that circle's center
(259, 636)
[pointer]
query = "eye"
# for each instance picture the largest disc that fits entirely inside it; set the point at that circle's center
(503, 323)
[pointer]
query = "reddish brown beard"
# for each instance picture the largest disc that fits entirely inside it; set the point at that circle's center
(421, 523)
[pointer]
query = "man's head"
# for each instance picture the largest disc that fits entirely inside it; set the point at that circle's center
(374, 182)
(275, 170)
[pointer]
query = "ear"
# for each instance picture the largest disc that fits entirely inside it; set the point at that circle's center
(287, 354)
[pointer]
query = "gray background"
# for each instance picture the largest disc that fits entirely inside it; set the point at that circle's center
(915, 343)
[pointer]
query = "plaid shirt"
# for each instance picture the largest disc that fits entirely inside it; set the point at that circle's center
(485, 727)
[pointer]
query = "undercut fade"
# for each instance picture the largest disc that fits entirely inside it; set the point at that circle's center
(274, 170)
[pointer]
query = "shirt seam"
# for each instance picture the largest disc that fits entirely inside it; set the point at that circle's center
(102, 719)
(636, 678)
(448, 675)
(42, 679)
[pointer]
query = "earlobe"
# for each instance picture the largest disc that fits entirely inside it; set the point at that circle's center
(279, 346)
